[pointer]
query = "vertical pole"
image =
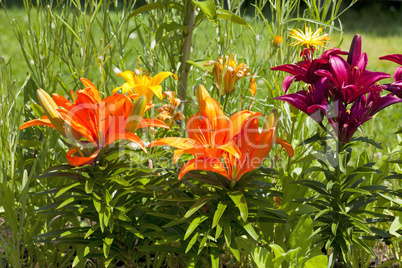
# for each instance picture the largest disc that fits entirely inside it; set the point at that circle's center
(189, 21)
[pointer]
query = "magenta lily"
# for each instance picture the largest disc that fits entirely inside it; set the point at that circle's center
(312, 101)
(345, 122)
(350, 78)
(396, 86)
(306, 70)
(334, 83)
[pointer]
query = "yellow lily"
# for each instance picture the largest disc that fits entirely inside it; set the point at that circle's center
(143, 84)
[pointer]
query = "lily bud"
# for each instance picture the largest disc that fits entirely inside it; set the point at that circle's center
(202, 94)
(50, 109)
(137, 112)
(277, 41)
(271, 120)
(252, 86)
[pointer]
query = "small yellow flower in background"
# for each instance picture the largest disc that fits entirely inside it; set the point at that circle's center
(142, 84)
(309, 39)
(167, 113)
(233, 73)
(277, 41)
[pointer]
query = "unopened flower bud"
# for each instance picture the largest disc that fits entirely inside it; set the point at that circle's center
(50, 109)
(202, 94)
(271, 120)
(277, 41)
(137, 112)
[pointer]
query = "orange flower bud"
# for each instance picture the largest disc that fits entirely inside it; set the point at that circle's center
(137, 112)
(50, 109)
(277, 41)
(202, 94)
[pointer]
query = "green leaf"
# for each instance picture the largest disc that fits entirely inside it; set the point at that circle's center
(107, 243)
(218, 230)
(366, 169)
(319, 261)
(218, 214)
(200, 64)
(81, 254)
(241, 203)
(396, 200)
(91, 231)
(224, 14)
(65, 189)
(250, 230)
(208, 7)
(366, 247)
(197, 205)
(279, 254)
(370, 141)
(262, 257)
(29, 144)
(214, 252)
(66, 202)
(300, 236)
(312, 139)
(227, 231)
(194, 224)
(132, 230)
(121, 181)
(396, 225)
(89, 185)
(315, 185)
(235, 249)
(192, 242)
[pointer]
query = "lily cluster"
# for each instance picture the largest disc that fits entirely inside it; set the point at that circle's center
(343, 91)
(230, 147)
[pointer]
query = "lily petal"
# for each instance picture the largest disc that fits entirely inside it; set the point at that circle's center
(80, 160)
(157, 79)
(151, 122)
(287, 146)
(91, 89)
(37, 122)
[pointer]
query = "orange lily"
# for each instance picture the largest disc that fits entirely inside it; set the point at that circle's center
(93, 123)
(142, 84)
(210, 133)
(254, 147)
(233, 72)
(167, 113)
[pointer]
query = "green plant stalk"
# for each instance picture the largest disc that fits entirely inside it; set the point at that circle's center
(187, 35)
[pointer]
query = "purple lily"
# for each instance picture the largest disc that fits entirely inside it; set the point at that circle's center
(312, 101)
(334, 83)
(306, 70)
(350, 78)
(345, 122)
(396, 86)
